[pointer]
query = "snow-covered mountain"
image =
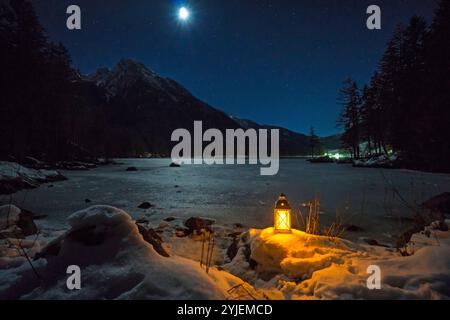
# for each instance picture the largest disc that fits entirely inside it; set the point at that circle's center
(149, 107)
(127, 73)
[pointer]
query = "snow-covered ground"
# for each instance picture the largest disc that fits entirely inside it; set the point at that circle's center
(14, 177)
(12, 170)
(119, 265)
(116, 263)
(230, 194)
(302, 266)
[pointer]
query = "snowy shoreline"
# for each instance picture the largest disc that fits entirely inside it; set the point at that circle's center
(14, 177)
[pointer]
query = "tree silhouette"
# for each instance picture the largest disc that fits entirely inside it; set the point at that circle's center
(314, 142)
(349, 118)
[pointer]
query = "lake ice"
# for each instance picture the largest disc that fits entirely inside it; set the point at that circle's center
(238, 193)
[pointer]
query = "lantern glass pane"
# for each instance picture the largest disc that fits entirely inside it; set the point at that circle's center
(282, 220)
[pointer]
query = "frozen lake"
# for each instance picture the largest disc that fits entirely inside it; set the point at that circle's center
(230, 194)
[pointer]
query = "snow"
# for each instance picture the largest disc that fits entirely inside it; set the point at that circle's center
(381, 161)
(127, 73)
(302, 266)
(119, 264)
(12, 170)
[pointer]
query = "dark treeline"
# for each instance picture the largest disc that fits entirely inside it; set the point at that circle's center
(46, 109)
(406, 106)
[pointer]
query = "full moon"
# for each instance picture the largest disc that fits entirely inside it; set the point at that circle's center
(183, 13)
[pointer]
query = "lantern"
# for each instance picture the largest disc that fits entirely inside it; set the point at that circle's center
(282, 215)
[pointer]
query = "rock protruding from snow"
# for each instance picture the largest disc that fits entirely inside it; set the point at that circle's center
(439, 203)
(197, 224)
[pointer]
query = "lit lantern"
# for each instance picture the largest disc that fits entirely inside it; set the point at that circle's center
(282, 215)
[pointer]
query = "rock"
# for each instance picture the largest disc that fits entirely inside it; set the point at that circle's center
(434, 213)
(105, 162)
(145, 205)
(55, 177)
(352, 228)
(182, 232)
(174, 165)
(16, 222)
(439, 203)
(50, 250)
(345, 161)
(10, 186)
(132, 169)
(33, 163)
(197, 224)
(142, 221)
(162, 225)
(321, 160)
(440, 225)
(75, 165)
(238, 225)
(12, 232)
(247, 254)
(373, 242)
(233, 249)
(235, 234)
(169, 219)
(40, 217)
(152, 237)
(26, 223)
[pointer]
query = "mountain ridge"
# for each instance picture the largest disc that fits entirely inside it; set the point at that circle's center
(140, 97)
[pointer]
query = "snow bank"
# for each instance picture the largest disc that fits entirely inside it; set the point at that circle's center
(14, 177)
(381, 161)
(302, 266)
(297, 255)
(116, 263)
(12, 170)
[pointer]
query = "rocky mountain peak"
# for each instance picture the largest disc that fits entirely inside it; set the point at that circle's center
(127, 72)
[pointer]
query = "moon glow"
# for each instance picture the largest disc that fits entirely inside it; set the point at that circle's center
(183, 13)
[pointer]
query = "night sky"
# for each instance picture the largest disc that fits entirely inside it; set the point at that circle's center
(275, 62)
